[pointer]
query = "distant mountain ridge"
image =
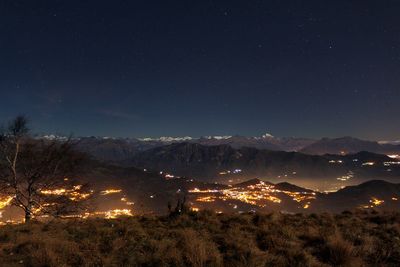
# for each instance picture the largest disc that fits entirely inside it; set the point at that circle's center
(122, 149)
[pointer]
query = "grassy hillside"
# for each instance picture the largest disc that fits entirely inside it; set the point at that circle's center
(208, 239)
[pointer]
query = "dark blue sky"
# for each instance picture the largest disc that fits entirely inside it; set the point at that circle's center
(151, 68)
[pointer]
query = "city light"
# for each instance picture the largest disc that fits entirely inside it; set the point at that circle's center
(375, 201)
(259, 194)
(110, 191)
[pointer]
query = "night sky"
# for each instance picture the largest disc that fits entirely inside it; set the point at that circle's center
(156, 68)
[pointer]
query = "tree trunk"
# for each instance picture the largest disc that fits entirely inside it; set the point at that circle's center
(28, 212)
(28, 216)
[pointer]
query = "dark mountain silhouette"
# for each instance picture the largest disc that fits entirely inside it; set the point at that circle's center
(285, 186)
(124, 149)
(362, 195)
(208, 162)
(113, 149)
(348, 145)
(199, 161)
(264, 142)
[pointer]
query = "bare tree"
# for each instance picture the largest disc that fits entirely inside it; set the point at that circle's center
(38, 173)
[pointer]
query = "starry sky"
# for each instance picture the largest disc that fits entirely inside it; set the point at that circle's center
(155, 68)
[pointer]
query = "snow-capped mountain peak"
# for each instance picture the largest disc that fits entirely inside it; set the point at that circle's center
(167, 139)
(218, 137)
(267, 135)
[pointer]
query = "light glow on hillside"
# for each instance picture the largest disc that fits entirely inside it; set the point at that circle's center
(259, 194)
(110, 191)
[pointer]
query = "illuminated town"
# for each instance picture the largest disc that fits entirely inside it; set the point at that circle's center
(260, 195)
(346, 177)
(75, 194)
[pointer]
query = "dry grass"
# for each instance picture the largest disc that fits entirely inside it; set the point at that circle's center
(207, 239)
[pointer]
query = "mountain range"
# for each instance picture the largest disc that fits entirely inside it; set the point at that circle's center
(237, 173)
(223, 162)
(122, 149)
(326, 164)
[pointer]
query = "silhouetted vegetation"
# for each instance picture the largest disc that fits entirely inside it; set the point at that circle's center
(31, 167)
(180, 209)
(207, 239)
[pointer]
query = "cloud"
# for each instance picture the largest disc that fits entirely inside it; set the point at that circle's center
(118, 114)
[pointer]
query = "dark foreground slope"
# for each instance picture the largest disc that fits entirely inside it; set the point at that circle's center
(207, 239)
